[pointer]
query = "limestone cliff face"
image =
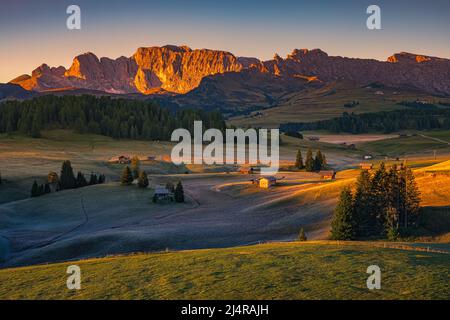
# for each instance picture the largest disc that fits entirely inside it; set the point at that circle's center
(181, 69)
(171, 68)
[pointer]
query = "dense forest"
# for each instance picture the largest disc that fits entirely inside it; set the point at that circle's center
(413, 118)
(117, 118)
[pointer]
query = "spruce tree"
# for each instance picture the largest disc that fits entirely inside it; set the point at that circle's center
(35, 189)
(47, 188)
(362, 205)
(411, 198)
(143, 180)
(67, 178)
(378, 199)
(179, 193)
(343, 224)
(299, 160)
(127, 178)
(318, 161)
(309, 163)
(302, 235)
(93, 179)
(81, 180)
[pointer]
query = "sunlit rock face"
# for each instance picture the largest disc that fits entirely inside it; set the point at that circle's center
(170, 68)
(180, 69)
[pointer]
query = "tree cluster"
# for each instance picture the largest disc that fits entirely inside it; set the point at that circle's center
(117, 118)
(384, 204)
(66, 180)
(311, 164)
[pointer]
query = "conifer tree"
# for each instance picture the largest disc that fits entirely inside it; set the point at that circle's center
(127, 178)
(81, 180)
(318, 161)
(302, 235)
(343, 224)
(299, 160)
(143, 180)
(362, 205)
(309, 163)
(47, 188)
(67, 178)
(93, 179)
(35, 189)
(377, 199)
(179, 192)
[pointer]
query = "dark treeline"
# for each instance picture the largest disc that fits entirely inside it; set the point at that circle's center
(384, 204)
(117, 118)
(66, 180)
(427, 118)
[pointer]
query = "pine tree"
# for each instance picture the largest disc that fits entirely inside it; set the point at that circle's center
(135, 166)
(362, 205)
(343, 224)
(127, 178)
(179, 193)
(302, 235)
(93, 179)
(47, 188)
(1, 178)
(81, 180)
(318, 161)
(377, 199)
(35, 189)
(67, 178)
(411, 199)
(143, 180)
(309, 163)
(299, 160)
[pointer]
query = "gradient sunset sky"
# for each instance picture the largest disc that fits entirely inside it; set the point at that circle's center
(34, 32)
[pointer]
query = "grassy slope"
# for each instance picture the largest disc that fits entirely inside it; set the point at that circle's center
(328, 102)
(272, 271)
(402, 146)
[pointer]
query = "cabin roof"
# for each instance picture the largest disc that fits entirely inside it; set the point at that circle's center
(270, 178)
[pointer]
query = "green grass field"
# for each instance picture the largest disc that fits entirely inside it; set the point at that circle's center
(271, 271)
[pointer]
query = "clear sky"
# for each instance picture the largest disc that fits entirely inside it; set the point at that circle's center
(34, 32)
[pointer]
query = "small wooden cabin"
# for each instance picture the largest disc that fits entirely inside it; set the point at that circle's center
(267, 182)
(162, 194)
(366, 166)
(327, 174)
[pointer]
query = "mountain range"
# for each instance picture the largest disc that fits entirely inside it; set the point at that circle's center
(214, 78)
